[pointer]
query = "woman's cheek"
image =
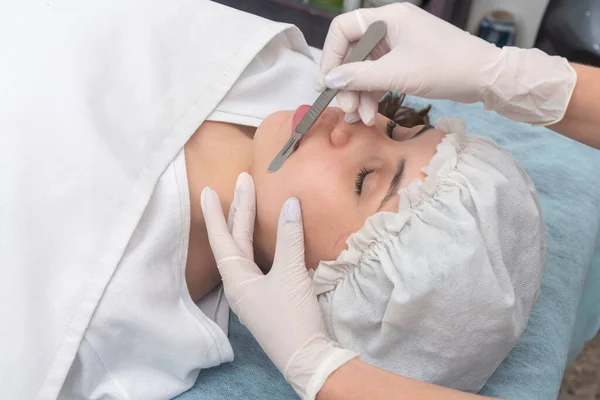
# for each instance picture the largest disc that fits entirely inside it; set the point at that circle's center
(322, 242)
(314, 242)
(325, 228)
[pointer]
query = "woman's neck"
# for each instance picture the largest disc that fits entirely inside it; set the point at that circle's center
(215, 155)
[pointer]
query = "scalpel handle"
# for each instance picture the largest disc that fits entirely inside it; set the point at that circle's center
(373, 35)
(316, 110)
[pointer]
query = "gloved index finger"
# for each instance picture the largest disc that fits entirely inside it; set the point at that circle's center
(221, 241)
(344, 29)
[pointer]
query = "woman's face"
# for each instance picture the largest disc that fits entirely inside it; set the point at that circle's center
(341, 173)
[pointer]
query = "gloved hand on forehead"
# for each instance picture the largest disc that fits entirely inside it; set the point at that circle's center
(428, 57)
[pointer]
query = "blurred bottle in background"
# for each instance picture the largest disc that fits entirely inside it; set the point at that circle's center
(498, 27)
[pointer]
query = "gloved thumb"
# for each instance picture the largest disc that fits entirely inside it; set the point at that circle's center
(363, 75)
(289, 251)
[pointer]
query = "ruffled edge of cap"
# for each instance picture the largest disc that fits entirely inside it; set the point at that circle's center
(381, 226)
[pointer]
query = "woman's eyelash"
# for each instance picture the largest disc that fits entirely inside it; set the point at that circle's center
(360, 179)
(389, 129)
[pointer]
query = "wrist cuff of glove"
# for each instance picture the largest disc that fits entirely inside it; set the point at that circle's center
(338, 358)
(528, 85)
(311, 366)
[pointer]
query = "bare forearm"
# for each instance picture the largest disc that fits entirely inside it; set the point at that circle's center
(357, 380)
(582, 119)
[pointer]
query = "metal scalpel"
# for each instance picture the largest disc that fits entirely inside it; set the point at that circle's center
(373, 35)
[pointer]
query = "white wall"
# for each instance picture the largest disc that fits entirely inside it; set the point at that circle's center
(529, 14)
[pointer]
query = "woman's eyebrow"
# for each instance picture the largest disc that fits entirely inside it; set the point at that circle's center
(394, 183)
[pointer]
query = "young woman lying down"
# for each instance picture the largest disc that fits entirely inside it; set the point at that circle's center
(427, 244)
(424, 241)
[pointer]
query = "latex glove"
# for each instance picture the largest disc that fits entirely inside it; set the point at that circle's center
(280, 309)
(427, 57)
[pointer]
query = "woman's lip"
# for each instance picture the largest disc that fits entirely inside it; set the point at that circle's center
(298, 115)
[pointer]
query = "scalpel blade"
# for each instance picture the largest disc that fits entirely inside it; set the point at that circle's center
(373, 35)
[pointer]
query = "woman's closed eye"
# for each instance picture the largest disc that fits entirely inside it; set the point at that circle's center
(360, 180)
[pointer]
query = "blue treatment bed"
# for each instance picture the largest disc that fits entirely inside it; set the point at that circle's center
(567, 313)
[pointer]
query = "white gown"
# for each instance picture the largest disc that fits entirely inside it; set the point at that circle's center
(97, 101)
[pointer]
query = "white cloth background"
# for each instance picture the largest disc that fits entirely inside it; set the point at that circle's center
(96, 100)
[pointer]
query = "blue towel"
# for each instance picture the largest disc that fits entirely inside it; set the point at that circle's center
(567, 178)
(587, 324)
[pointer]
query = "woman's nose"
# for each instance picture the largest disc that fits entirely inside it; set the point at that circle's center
(340, 135)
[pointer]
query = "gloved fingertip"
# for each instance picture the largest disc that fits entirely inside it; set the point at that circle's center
(204, 196)
(291, 210)
(335, 80)
(348, 101)
(369, 120)
(367, 111)
(243, 181)
(320, 84)
(240, 178)
(351, 118)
